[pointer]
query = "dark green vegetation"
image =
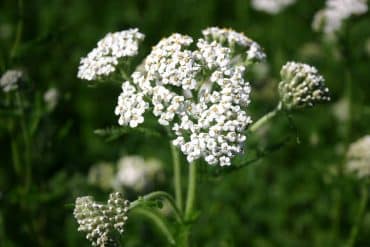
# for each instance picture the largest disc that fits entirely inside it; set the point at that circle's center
(296, 195)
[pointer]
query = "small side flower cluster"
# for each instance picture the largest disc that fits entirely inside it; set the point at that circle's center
(358, 157)
(103, 59)
(10, 79)
(301, 86)
(330, 19)
(272, 7)
(98, 220)
(200, 94)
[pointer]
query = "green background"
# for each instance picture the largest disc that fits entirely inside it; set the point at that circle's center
(294, 196)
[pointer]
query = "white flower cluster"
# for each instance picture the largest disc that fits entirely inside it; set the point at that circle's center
(135, 172)
(200, 94)
(330, 18)
(271, 6)
(301, 86)
(103, 59)
(10, 79)
(98, 220)
(358, 157)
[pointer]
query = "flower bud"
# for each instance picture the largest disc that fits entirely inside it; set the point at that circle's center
(301, 86)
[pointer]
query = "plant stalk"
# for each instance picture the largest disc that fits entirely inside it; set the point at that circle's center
(360, 215)
(263, 120)
(190, 200)
(158, 222)
(158, 194)
(177, 176)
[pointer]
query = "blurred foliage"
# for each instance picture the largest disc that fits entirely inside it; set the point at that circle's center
(293, 196)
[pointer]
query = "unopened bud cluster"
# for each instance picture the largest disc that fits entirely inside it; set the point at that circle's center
(301, 86)
(99, 221)
(358, 157)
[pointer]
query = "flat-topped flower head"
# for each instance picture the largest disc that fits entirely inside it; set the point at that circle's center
(330, 19)
(358, 157)
(301, 86)
(200, 94)
(272, 7)
(99, 221)
(103, 60)
(10, 79)
(233, 39)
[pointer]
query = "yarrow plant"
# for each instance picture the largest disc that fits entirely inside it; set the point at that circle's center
(199, 92)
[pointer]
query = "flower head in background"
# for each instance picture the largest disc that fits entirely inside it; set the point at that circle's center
(51, 97)
(200, 94)
(272, 7)
(358, 157)
(301, 86)
(330, 19)
(111, 50)
(99, 221)
(10, 79)
(136, 173)
(101, 175)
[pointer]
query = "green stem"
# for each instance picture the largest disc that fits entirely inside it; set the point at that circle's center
(263, 120)
(158, 194)
(177, 176)
(19, 30)
(158, 221)
(124, 75)
(190, 200)
(360, 215)
(15, 156)
(26, 140)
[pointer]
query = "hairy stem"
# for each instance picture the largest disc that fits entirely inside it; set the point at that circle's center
(263, 120)
(177, 176)
(360, 215)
